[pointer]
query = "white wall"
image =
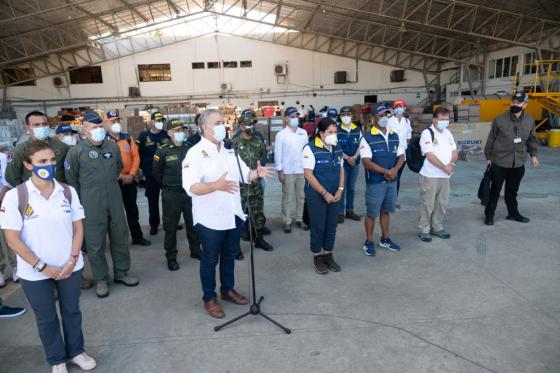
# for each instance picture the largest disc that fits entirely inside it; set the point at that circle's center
(307, 72)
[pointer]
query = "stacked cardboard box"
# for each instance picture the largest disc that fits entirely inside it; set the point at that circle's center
(474, 113)
(461, 112)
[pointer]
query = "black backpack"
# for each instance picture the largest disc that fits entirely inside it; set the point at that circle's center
(485, 186)
(414, 157)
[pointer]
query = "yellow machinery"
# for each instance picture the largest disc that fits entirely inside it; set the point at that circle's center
(491, 108)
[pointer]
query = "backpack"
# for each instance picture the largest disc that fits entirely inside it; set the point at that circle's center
(23, 197)
(414, 157)
(485, 186)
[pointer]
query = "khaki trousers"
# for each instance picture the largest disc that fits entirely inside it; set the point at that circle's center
(434, 196)
(293, 184)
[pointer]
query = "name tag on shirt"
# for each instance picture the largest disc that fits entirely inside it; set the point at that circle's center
(517, 140)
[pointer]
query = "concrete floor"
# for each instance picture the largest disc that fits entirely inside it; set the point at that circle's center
(487, 300)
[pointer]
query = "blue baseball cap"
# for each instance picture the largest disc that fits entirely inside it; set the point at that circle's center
(92, 117)
(379, 108)
(290, 111)
(520, 97)
(63, 128)
(112, 114)
(332, 113)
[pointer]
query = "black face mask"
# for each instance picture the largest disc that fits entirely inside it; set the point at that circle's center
(250, 130)
(514, 109)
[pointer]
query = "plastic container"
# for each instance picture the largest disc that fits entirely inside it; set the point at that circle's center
(554, 138)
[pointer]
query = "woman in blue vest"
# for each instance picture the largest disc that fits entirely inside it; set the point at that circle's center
(324, 175)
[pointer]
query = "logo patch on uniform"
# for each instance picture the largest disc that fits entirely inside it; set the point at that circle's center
(435, 142)
(66, 165)
(107, 155)
(171, 158)
(28, 211)
(93, 154)
(156, 157)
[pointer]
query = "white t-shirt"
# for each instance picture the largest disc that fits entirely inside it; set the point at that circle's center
(402, 128)
(3, 165)
(205, 164)
(309, 157)
(442, 147)
(46, 228)
(365, 149)
(287, 150)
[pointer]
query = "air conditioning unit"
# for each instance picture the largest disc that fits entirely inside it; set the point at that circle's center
(397, 76)
(133, 92)
(225, 87)
(60, 81)
(340, 77)
(281, 70)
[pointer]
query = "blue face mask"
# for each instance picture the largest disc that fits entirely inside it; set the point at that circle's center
(98, 134)
(41, 133)
(45, 172)
(179, 137)
(399, 111)
(294, 122)
(442, 124)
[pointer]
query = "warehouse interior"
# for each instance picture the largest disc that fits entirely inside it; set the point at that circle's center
(488, 300)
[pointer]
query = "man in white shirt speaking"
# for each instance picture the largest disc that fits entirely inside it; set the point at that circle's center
(288, 161)
(439, 147)
(211, 176)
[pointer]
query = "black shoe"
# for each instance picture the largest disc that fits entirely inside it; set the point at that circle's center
(489, 220)
(518, 218)
(260, 243)
(172, 265)
(353, 216)
(141, 242)
(7, 312)
(239, 256)
(302, 225)
(340, 219)
(265, 231)
(196, 254)
(320, 265)
(287, 228)
(180, 227)
(153, 230)
(331, 264)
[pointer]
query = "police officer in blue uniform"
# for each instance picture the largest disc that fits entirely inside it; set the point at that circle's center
(382, 156)
(324, 176)
(349, 137)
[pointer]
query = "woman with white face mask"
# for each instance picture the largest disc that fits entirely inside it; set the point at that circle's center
(324, 175)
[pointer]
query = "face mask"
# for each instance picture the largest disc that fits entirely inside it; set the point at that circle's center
(382, 122)
(69, 140)
(331, 139)
(98, 134)
(514, 109)
(116, 128)
(159, 126)
(41, 133)
(179, 137)
(346, 119)
(323, 114)
(45, 172)
(399, 111)
(250, 130)
(220, 132)
(294, 122)
(442, 124)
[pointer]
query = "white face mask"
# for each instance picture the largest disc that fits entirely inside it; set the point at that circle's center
(442, 124)
(323, 114)
(220, 132)
(98, 134)
(382, 122)
(159, 126)
(69, 140)
(294, 122)
(116, 128)
(346, 119)
(179, 137)
(331, 139)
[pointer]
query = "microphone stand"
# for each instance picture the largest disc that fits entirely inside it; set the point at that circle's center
(255, 308)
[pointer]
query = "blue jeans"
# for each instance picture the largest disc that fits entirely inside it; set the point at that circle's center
(40, 295)
(323, 219)
(218, 247)
(350, 177)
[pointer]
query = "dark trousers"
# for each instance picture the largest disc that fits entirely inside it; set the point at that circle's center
(152, 194)
(40, 295)
(512, 178)
(174, 203)
(129, 194)
(323, 219)
(399, 177)
(218, 247)
(346, 203)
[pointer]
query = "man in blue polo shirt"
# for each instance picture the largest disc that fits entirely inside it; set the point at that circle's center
(382, 156)
(349, 136)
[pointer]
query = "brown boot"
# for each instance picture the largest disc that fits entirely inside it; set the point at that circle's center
(234, 297)
(214, 309)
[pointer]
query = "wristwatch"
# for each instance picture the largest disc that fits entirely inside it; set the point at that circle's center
(40, 266)
(341, 189)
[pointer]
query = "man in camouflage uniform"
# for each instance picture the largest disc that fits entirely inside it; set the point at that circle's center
(251, 150)
(167, 172)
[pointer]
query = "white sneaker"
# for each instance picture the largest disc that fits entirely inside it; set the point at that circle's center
(2, 280)
(15, 278)
(60, 368)
(84, 361)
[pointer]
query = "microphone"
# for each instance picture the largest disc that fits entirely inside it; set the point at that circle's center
(228, 144)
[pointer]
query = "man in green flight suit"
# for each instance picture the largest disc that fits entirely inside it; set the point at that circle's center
(167, 171)
(37, 127)
(251, 149)
(92, 168)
